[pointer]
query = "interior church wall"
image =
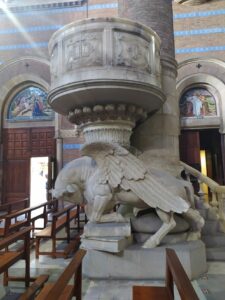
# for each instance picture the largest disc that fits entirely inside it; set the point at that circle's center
(198, 30)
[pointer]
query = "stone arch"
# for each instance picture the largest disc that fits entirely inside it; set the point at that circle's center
(19, 74)
(16, 75)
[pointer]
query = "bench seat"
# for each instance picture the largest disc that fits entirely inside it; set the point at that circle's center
(47, 232)
(30, 293)
(153, 292)
(8, 259)
(60, 219)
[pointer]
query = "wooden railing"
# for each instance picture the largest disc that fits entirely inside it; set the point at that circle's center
(217, 191)
(175, 273)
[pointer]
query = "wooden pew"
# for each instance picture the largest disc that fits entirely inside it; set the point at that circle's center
(28, 216)
(60, 220)
(35, 287)
(175, 273)
(48, 207)
(8, 208)
(80, 210)
(59, 290)
(10, 257)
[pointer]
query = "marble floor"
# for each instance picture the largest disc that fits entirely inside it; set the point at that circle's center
(210, 286)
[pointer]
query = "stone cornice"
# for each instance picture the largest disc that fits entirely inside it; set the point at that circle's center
(191, 2)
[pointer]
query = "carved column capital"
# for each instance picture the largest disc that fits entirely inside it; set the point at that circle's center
(108, 123)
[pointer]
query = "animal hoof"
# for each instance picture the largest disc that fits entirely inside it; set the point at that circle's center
(121, 219)
(150, 244)
(194, 236)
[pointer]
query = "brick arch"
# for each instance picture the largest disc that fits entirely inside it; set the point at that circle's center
(204, 72)
(22, 140)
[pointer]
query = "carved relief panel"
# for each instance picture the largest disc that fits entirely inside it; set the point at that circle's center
(132, 51)
(83, 50)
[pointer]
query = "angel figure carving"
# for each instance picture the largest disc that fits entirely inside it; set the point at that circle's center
(109, 174)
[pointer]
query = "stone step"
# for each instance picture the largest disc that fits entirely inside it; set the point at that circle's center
(217, 240)
(215, 254)
(211, 227)
(203, 212)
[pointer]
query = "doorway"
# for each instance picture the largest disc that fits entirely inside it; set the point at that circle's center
(38, 180)
(19, 146)
(202, 149)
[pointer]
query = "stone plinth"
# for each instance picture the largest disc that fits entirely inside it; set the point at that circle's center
(107, 229)
(110, 237)
(109, 244)
(136, 263)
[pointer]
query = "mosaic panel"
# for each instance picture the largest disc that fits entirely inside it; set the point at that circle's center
(30, 104)
(197, 103)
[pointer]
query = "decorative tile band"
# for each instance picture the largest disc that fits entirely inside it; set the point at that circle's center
(197, 31)
(24, 46)
(64, 10)
(197, 14)
(200, 49)
(58, 26)
(72, 146)
(30, 29)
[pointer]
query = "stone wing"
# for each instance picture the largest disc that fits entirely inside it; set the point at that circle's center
(118, 167)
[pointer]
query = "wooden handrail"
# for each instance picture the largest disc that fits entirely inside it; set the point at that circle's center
(13, 237)
(28, 209)
(176, 273)
(218, 191)
(213, 185)
(8, 207)
(63, 211)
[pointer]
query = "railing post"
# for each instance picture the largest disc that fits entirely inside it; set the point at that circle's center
(169, 278)
(214, 201)
(78, 283)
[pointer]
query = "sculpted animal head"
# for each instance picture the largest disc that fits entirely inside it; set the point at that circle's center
(70, 180)
(71, 193)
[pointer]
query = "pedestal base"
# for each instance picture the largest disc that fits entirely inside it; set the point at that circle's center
(136, 263)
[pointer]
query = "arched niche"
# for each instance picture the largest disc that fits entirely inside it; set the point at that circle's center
(211, 88)
(197, 102)
(29, 104)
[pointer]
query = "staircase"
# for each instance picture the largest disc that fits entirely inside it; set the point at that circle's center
(213, 233)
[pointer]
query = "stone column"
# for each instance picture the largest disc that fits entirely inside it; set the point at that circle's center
(1, 172)
(59, 153)
(59, 144)
(157, 137)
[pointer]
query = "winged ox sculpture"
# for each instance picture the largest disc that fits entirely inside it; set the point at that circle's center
(109, 174)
